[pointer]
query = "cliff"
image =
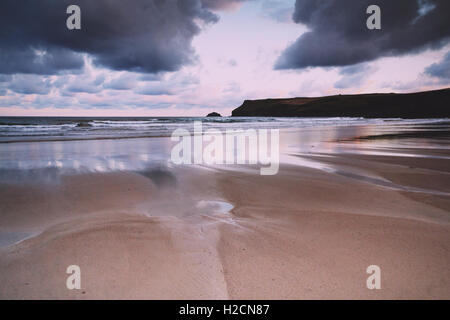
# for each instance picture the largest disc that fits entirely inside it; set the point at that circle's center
(427, 104)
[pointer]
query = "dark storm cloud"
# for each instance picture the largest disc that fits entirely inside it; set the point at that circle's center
(138, 35)
(440, 69)
(37, 60)
(338, 35)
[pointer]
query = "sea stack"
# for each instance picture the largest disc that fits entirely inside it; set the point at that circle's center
(214, 114)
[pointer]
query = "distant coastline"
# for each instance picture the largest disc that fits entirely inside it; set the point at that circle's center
(426, 104)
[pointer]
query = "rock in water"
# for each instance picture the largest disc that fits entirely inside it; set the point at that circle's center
(83, 125)
(214, 114)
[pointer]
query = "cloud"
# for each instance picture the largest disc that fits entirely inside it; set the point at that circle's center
(353, 76)
(82, 87)
(233, 87)
(154, 90)
(86, 82)
(222, 4)
(338, 35)
(278, 10)
(440, 69)
(176, 83)
(30, 84)
(141, 35)
(150, 77)
(36, 59)
(123, 82)
(5, 78)
(81, 84)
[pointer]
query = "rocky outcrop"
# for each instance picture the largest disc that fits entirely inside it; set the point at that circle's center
(427, 104)
(214, 114)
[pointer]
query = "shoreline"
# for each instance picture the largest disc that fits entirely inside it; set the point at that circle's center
(299, 126)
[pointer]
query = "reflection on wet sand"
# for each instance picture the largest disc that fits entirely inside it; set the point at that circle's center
(395, 141)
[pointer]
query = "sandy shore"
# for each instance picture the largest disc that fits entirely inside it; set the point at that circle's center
(304, 233)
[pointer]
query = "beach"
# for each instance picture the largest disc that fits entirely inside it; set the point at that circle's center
(139, 227)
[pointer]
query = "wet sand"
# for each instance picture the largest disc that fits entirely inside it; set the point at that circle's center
(308, 232)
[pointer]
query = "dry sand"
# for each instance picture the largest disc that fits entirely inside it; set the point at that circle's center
(301, 234)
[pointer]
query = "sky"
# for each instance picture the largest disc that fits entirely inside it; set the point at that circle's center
(192, 57)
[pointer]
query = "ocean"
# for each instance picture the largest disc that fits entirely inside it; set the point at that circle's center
(21, 129)
(42, 148)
